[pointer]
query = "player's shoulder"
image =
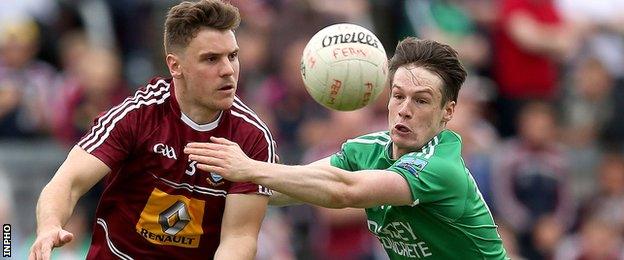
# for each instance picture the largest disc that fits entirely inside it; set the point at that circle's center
(246, 121)
(152, 93)
(375, 138)
(142, 101)
(442, 153)
(155, 87)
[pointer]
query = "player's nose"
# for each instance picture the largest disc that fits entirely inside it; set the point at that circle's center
(227, 68)
(404, 110)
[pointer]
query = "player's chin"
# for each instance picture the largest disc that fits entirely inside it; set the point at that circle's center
(402, 140)
(224, 103)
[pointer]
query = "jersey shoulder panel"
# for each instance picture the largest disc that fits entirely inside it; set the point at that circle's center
(252, 134)
(355, 154)
(436, 172)
(115, 132)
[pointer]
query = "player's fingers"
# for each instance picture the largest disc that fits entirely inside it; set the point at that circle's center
(203, 148)
(200, 145)
(210, 168)
(46, 249)
(220, 140)
(37, 250)
(64, 237)
(208, 160)
(33, 253)
(204, 152)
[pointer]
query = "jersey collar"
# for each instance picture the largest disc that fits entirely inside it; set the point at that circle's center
(204, 127)
(188, 121)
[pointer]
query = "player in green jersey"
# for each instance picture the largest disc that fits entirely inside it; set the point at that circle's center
(420, 199)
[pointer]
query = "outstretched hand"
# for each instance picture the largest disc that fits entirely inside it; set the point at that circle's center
(46, 241)
(223, 157)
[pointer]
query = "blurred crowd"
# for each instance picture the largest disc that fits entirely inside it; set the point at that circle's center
(541, 114)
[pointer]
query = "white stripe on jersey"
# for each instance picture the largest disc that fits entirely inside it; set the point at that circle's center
(380, 134)
(367, 141)
(110, 128)
(432, 149)
(111, 246)
(429, 148)
(266, 136)
(99, 128)
(192, 188)
(267, 133)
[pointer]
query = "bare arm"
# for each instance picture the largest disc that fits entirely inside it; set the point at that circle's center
(241, 223)
(532, 36)
(319, 184)
(279, 199)
(75, 177)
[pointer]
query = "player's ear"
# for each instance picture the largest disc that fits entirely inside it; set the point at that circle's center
(449, 110)
(173, 63)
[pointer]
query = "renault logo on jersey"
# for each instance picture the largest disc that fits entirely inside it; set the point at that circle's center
(173, 220)
(165, 150)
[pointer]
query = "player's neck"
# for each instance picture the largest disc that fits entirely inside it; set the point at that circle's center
(196, 112)
(397, 152)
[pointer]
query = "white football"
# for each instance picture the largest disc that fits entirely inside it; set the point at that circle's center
(344, 67)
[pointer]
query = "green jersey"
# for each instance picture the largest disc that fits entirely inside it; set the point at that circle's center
(448, 218)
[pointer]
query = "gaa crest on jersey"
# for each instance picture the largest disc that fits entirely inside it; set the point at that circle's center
(165, 150)
(412, 165)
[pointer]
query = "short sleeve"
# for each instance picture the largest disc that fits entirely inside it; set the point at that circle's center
(111, 136)
(260, 148)
(342, 158)
(430, 180)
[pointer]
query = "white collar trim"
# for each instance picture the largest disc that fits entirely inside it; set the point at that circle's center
(202, 128)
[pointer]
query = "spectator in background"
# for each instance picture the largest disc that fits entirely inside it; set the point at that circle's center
(253, 58)
(546, 236)
(529, 178)
(338, 233)
(596, 240)
(528, 38)
(451, 23)
(588, 107)
(478, 135)
(26, 84)
(601, 24)
(274, 240)
(607, 203)
(285, 104)
(92, 90)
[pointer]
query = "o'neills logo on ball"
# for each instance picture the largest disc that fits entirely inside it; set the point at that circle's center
(354, 37)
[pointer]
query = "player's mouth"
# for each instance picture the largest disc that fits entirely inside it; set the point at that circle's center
(226, 87)
(402, 129)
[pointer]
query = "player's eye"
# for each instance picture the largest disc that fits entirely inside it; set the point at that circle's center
(422, 101)
(233, 55)
(211, 59)
(397, 96)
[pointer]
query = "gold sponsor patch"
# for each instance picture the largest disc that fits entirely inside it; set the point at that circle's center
(171, 220)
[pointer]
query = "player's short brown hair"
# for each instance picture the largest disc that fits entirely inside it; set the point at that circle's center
(436, 57)
(186, 19)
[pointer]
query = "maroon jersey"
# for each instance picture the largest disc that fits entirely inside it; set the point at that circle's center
(156, 203)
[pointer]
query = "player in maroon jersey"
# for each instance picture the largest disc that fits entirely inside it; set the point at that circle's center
(156, 203)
